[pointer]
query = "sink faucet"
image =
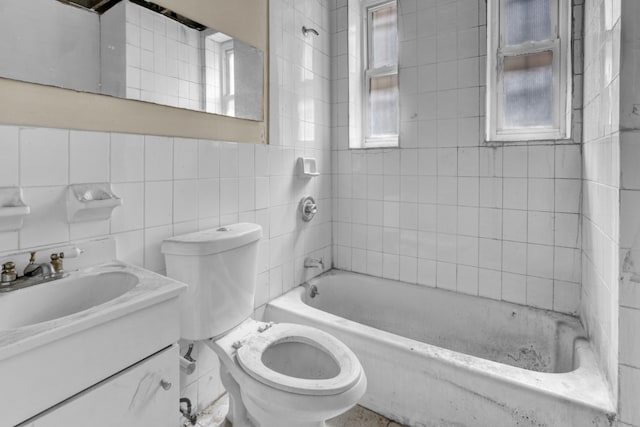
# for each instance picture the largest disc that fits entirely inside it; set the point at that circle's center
(45, 269)
(35, 273)
(313, 263)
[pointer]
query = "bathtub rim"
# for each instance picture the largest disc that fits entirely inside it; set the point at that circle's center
(587, 376)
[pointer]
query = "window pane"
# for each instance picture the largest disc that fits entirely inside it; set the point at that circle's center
(528, 90)
(384, 36)
(383, 106)
(528, 20)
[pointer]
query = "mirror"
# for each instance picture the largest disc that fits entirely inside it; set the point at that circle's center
(131, 49)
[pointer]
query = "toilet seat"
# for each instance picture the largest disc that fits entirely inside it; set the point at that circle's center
(249, 357)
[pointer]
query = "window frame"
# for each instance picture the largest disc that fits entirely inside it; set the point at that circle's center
(367, 8)
(560, 46)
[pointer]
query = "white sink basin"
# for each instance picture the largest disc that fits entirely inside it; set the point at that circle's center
(62, 297)
(61, 337)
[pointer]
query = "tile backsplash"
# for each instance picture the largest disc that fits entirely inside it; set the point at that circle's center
(169, 186)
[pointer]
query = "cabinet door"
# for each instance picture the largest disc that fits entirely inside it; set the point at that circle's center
(146, 394)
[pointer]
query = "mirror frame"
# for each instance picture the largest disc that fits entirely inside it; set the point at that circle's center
(30, 104)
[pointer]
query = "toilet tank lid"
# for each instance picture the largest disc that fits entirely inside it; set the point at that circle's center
(212, 241)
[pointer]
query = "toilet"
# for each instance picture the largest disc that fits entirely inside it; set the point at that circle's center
(277, 375)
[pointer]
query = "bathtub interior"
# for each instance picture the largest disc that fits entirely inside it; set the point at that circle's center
(507, 333)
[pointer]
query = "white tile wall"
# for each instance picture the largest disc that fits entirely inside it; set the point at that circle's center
(446, 209)
(601, 185)
(629, 303)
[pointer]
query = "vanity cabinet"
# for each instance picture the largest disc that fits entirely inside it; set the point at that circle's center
(145, 394)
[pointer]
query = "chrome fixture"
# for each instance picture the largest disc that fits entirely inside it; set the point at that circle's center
(308, 208)
(306, 30)
(314, 263)
(313, 291)
(8, 274)
(34, 273)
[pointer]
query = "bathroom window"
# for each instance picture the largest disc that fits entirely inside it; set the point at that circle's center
(528, 70)
(374, 96)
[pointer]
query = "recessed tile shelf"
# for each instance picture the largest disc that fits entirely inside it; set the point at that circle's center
(90, 202)
(12, 209)
(308, 167)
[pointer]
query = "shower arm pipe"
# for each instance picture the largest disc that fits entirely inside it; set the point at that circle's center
(306, 30)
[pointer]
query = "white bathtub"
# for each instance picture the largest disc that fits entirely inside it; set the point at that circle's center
(439, 358)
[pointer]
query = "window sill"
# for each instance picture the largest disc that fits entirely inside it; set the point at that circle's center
(378, 143)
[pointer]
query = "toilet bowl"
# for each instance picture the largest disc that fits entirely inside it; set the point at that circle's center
(286, 375)
(277, 375)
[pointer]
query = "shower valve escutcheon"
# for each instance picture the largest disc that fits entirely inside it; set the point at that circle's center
(308, 208)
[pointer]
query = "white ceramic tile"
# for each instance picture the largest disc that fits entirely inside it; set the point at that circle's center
(185, 158)
(514, 225)
(514, 257)
(391, 266)
(489, 283)
(540, 228)
(567, 195)
(629, 391)
(246, 160)
(158, 203)
(44, 157)
(89, 156)
(468, 162)
(490, 223)
(446, 276)
(427, 272)
(153, 237)
(540, 292)
(468, 191)
(127, 157)
(540, 261)
(467, 280)
(9, 149)
(541, 195)
(490, 254)
(185, 200)
(229, 167)
(130, 246)
(9, 241)
(47, 222)
(515, 162)
(491, 192)
(208, 198)
(158, 155)
(514, 288)
(408, 269)
(261, 192)
(129, 216)
(515, 193)
(467, 250)
(228, 196)
(568, 161)
(86, 230)
(374, 263)
(567, 230)
(567, 265)
(541, 163)
(246, 194)
(629, 346)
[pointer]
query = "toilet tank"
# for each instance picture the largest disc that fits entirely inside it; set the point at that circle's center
(219, 266)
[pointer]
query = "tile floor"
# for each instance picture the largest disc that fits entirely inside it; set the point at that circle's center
(214, 416)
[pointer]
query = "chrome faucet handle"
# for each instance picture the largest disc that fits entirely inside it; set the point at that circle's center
(32, 269)
(8, 274)
(56, 262)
